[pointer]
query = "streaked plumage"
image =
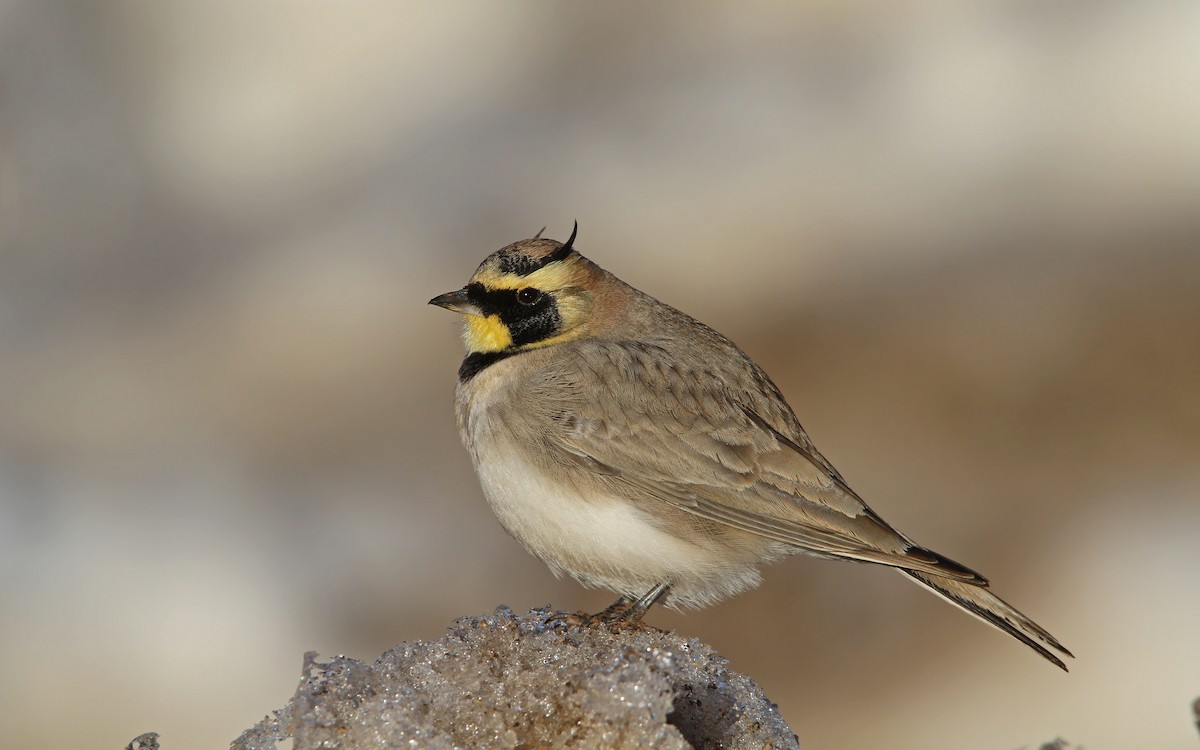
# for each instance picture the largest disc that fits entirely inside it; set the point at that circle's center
(632, 447)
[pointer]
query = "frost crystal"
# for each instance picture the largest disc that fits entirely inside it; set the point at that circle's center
(503, 681)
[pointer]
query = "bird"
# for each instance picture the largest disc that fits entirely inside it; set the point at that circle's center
(632, 447)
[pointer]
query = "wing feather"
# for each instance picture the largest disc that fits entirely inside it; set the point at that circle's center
(713, 444)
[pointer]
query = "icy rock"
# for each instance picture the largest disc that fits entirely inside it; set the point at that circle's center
(508, 681)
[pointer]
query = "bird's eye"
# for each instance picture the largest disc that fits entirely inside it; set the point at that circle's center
(528, 296)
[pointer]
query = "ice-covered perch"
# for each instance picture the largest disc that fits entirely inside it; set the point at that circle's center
(507, 681)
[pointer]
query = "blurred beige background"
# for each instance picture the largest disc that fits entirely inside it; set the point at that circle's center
(963, 238)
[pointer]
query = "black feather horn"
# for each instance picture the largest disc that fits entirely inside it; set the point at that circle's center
(566, 248)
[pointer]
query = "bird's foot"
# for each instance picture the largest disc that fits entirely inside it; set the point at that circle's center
(624, 612)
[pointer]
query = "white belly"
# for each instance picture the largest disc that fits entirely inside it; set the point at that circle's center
(602, 541)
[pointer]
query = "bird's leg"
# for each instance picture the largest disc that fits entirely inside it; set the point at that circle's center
(635, 611)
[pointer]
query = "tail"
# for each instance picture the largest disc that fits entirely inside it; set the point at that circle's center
(995, 611)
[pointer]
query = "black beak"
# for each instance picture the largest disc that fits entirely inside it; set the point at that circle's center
(456, 301)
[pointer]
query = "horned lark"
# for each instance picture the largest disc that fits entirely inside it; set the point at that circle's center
(636, 449)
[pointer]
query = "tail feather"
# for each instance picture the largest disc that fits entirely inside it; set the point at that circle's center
(945, 566)
(995, 611)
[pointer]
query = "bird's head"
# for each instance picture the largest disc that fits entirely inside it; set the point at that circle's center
(530, 294)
